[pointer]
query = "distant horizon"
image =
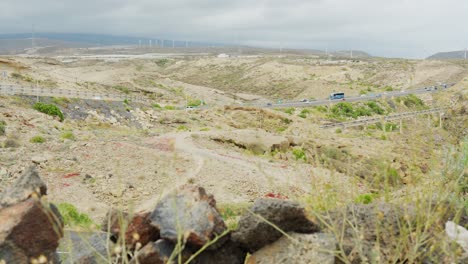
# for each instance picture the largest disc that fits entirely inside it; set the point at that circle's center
(24, 35)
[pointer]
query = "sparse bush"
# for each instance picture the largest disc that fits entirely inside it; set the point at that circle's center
(182, 128)
(169, 107)
(68, 135)
(289, 110)
(375, 108)
(162, 62)
(2, 128)
(366, 198)
(322, 109)
(338, 131)
(49, 109)
(72, 218)
(194, 102)
(121, 88)
(37, 139)
(62, 101)
(156, 106)
(388, 88)
(11, 143)
(299, 154)
(126, 101)
(412, 101)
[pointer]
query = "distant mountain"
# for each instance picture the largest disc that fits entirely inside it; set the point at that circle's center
(460, 54)
(18, 43)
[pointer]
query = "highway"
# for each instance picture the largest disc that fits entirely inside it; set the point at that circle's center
(8, 89)
(309, 103)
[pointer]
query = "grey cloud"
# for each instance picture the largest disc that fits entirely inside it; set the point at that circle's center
(387, 28)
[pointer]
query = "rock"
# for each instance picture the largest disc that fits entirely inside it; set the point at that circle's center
(190, 211)
(158, 252)
(12, 254)
(298, 248)
(85, 248)
(140, 230)
(113, 223)
(31, 227)
(28, 183)
(457, 234)
(228, 253)
(254, 233)
(39, 159)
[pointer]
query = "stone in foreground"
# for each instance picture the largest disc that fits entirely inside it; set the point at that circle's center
(191, 212)
(158, 252)
(28, 184)
(31, 227)
(298, 248)
(254, 232)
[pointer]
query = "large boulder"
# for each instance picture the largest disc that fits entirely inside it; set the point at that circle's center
(191, 212)
(298, 248)
(32, 227)
(254, 232)
(28, 184)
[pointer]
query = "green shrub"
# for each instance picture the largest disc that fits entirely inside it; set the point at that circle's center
(321, 108)
(37, 139)
(72, 218)
(375, 108)
(343, 109)
(182, 128)
(49, 109)
(169, 107)
(366, 198)
(302, 115)
(412, 101)
(126, 101)
(338, 131)
(289, 110)
(2, 128)
(68, 135)
(194, 102)
(299, 154)
(388, 88)
(156, 106)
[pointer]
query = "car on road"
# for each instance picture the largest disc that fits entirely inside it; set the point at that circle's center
(190, 107)
(304, 100)
(269, 104)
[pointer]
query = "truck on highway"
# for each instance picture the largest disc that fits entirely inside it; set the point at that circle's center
(336, 96)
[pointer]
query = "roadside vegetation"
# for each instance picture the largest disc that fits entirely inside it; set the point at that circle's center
(49, 109)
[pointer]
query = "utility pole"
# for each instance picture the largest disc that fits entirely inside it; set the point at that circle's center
(351, 54)
(162, 43)
(139, 44)
(173, 44)
(186, 44)
(465, 53)
(151, 43)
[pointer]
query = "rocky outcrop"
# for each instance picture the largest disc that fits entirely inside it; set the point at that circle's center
(259, 227)
(259, 142)
(30, 227)
(190, 212)
(140, 230)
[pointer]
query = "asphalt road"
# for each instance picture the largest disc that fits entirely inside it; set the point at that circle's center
(431, 89)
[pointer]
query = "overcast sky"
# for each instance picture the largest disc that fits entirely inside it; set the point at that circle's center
(402, 28)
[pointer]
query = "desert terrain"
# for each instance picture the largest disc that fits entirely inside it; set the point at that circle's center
(130, 154)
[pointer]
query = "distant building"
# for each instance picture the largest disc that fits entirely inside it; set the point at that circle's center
(223, 55)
